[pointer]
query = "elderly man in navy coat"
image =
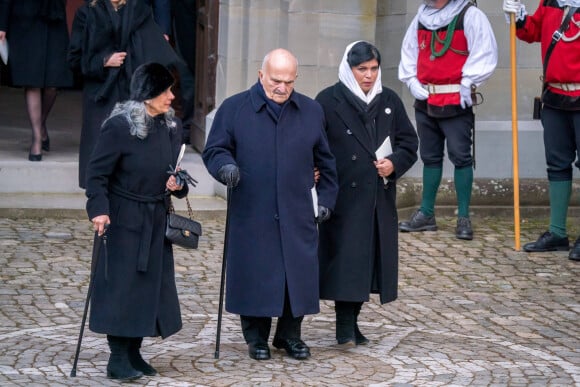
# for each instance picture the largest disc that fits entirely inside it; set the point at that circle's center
(264, 145)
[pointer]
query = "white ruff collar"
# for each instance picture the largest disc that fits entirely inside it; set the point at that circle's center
(434, 18)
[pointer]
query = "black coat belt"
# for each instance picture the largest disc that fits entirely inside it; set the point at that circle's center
(147, 227)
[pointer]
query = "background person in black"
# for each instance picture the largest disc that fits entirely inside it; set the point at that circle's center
(109, 40)
(177, 20)
(38, 40)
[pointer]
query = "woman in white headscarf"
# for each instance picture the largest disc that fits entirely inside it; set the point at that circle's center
(374, 143)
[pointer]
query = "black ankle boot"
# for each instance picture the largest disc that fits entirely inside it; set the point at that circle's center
(136, 360)
(345, 335)
(119, 366)
(360, 339)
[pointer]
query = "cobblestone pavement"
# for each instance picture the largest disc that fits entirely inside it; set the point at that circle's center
(469, 313)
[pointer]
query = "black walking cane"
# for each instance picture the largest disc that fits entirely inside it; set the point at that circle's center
(221, 305)
(98, 241)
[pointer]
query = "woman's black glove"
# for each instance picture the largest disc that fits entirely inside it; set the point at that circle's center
(182, 177)
(229, 175)
(323, 214)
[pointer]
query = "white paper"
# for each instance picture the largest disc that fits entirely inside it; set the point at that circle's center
(383, 151)
(4, 50)
(180, 157)
(314, 200)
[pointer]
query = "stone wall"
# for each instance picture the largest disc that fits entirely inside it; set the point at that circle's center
(317, 32)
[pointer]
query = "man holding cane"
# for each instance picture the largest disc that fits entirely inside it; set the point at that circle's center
(264, 144)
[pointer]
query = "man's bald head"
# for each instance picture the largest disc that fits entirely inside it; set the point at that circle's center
(278, 73)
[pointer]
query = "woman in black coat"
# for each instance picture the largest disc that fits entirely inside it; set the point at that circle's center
(128, 189)
(38, 40)
(358, 249)
(109, 40)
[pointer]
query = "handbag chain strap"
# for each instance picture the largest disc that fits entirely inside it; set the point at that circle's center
(189, 210)
(171, 209)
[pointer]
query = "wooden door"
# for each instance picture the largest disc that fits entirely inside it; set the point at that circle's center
(205, 68)
(71, 9)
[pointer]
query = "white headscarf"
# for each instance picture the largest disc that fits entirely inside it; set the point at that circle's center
(346, 76)
(571, 3)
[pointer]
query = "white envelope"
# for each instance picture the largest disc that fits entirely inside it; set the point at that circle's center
(383, 151)
(314, 200)
(4, 50)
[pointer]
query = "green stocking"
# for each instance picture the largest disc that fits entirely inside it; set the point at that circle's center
(560, 192)
(463, 183)
(431, 181)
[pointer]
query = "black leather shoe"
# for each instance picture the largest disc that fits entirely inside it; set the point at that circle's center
(419, 222)
(464, 230)
(259, 351)
(295, 348)
(575, 252)
(33, 157)
(548, 242)
(46, 144)
(360, 339)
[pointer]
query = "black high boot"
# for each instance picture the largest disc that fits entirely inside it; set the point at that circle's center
(345, 335)
(136, 360)
(119, 366)
(360, 339)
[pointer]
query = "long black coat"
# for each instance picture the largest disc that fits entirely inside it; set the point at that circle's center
(272, 231)
(94, 38)
(365, 217)
(37, 46)
(136, 295)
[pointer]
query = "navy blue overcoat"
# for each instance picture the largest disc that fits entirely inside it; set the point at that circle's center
(273, 237)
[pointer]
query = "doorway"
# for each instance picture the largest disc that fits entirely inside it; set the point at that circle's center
(200, 53)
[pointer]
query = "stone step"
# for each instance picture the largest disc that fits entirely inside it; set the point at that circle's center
(59, 174)
(50, 187)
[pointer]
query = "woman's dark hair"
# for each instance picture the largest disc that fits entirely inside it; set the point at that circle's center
(362, 52)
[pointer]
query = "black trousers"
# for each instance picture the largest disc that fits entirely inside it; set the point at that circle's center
(435, 132)
(257, 329)
(561, 142)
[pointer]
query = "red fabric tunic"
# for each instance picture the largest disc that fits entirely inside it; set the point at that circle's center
(564, 62)
(446, 69)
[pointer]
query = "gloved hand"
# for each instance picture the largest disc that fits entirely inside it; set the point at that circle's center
(465, 97)
(323, 214)
(229, 174)
(417, 90)
(515, 7)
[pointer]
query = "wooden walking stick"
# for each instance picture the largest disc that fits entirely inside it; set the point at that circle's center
(98, 241)
(515, 155)
(223, 277)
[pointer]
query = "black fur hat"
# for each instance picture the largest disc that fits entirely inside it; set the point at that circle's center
(150, 80)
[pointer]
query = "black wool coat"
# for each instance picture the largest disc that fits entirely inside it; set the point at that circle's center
(365, 219)
(38, 42)
(134, 293)
(97, 32)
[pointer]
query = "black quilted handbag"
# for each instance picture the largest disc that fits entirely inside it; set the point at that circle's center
(182, 231)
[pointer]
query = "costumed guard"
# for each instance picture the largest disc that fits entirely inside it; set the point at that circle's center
(448, 51)
(556, 25)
